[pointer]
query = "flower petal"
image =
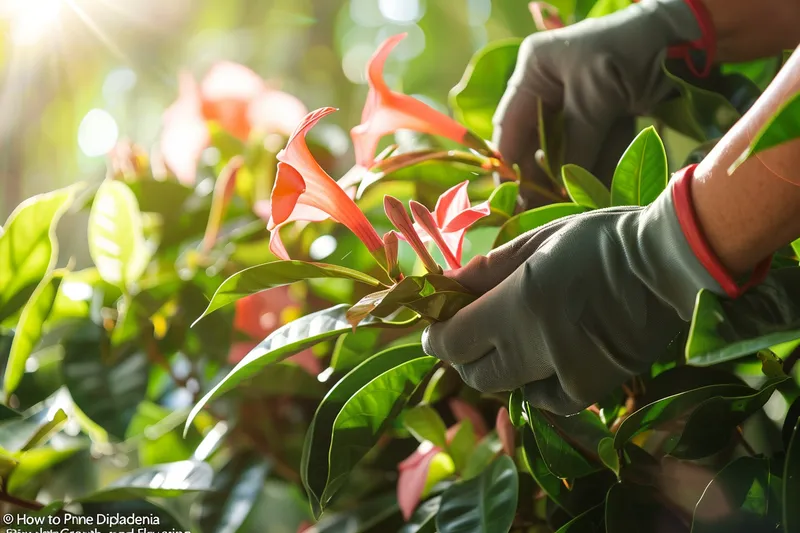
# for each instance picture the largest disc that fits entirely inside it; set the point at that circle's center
(462, 410)
(398, 216)
(276, 112)
(184, 135)
(231, 81)
(413, 474)
(289, 185)
(451, 203)
(506, 432)
(467, 217)
(425, 219)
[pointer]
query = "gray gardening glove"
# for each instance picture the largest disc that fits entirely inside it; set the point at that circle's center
(573, 309)
(599, 72)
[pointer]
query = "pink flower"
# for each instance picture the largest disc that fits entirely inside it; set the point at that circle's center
(260, 314)
(545, 16)
(304, 191)
(449, 222)
(387, 111)
(234, 97)
(506, 432)
(398, 216)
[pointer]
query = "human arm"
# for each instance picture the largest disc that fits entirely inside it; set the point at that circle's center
(574, 308)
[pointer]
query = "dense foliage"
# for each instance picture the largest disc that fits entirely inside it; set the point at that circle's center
(188, 374)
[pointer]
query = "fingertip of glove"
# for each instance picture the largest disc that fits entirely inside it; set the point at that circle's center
(427, 342)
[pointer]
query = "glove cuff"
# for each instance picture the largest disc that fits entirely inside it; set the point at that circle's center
(706, 43)
(687, 218)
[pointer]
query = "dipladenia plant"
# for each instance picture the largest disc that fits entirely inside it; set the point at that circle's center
(206, 356)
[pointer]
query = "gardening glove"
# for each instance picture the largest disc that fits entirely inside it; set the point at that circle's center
(598, 72)
(575, 308)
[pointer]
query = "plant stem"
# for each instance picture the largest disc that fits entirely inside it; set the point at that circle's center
(746, 445)
(19, 502)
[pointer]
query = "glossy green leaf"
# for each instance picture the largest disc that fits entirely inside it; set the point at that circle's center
(484, 504)
(766, 315)
(482, 455)
(443, 383)
(791, 483)
(275, 274)
(608, 454)
(551, 142)
(584, 188)
(352, 348)
(503, 201)
(736, 500)
(34, 430)
(672, 407)
(29, 330)
(7, 463)
(156, 431)
(560, 438)
(783, 127)
(286, 341)
(424, 423)
(552, 486)
(314, 465)
(367, 414)
(533, 219)
(424, 518)
(37, 461)
(641, 174)
(589, 522)
(234, 492)
(791, 420)
(116, 238)
(28, 247)
(475, 98)
(285, 378)
(710, 426)
(516, 406)
(368, 517)
(162, 481)
(89, 374)
(462, 445)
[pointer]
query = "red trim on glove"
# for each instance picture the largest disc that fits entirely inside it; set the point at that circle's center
(682, 197)
(707, 41)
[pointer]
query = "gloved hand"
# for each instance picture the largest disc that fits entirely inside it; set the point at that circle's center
(575, 308)
(601, 73)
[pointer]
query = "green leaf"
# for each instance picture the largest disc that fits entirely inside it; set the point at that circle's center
(601, 8)
(34, 430)
(36, 461)
(608, 454)
(791, 483)
(589, 522)
(367, 414)
(766, 315)
(462, 445)
(28, 247)
(444, 382)
(673, 407)
(167, 521)
(503, 200)
(352, 348)
(584, 188)
(560, 454)
(711, 424)
(783, 127)
(641, 174)
(482, 455)
(533, 219)
(552, 486)
(162, 481)
(792, 418)
(314, 465)
(276, 274)
(737, 499)
(702, 113)
(424, 518)
(286, 341)
(286, 379)
(90, 375)
(366, 517)
(29, 330)
(424, 423)
(475, 98)
(516, 408)
(235, 490)
(484, 504)
(116, 238)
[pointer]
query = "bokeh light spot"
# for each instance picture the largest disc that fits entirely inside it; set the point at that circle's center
(322, 247)
(31, 20)
(402, 11)
(98, 133)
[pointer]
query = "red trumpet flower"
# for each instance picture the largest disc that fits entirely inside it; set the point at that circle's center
(387, 111)
(304, 191)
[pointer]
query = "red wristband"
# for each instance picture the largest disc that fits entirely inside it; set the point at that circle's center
(687, 218)
(707, 41)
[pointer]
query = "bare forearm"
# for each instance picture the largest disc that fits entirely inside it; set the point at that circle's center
(749, 29)
(748, 215)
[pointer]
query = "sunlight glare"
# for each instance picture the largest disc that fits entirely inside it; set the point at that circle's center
(98, 133)
(31, 20)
